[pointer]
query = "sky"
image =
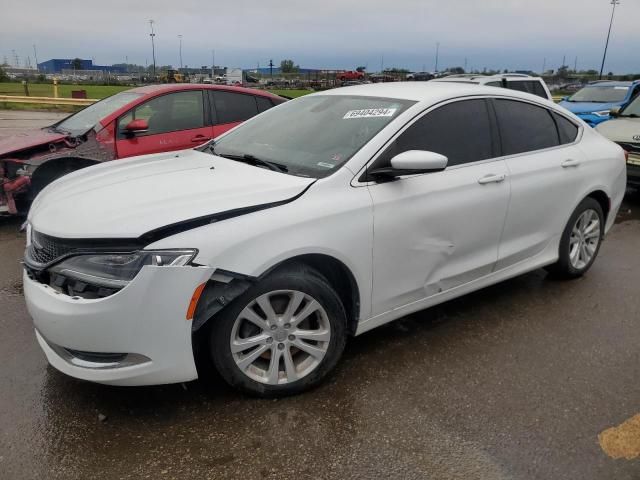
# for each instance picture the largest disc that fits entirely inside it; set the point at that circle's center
(496, 34)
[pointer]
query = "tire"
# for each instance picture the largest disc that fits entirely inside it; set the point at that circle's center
(251, 368)
(572, 266)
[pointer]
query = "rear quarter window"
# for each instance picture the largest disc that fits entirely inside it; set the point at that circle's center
(567, 130)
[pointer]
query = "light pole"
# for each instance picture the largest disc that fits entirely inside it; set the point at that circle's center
(606, 46)
(437, 55)
(153, 49)
(180, 37)
(35, 54)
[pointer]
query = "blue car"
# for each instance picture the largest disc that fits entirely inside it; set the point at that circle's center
(593, 102)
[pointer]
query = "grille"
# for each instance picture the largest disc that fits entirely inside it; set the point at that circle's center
(630, 147)
(45, 249)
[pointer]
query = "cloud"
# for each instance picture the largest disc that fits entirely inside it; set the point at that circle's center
(332, 33)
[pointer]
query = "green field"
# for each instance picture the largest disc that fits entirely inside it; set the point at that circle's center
(64, 91)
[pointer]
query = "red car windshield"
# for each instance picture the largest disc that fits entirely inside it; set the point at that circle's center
(83, 121)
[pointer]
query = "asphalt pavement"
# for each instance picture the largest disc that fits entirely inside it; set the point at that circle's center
(532, 378)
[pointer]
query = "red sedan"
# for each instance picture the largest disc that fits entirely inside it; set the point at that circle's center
(139, 121)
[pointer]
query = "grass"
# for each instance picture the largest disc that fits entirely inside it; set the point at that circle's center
(64, 91)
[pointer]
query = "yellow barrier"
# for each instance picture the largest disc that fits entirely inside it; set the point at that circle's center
(47, 100)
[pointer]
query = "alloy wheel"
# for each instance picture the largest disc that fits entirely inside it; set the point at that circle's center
(584, 240)
(280, 337)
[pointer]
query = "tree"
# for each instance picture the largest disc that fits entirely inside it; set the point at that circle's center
(76, 64)
(287, 66)
(361, 69)
(457, 70)
(3, 76)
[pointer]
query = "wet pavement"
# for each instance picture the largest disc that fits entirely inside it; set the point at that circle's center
(516, 381)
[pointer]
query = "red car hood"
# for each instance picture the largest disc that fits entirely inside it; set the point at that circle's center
(29, 139)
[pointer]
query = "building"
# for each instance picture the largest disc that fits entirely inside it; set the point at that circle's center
(57, 65)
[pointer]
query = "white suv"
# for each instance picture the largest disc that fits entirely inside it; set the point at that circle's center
(512, 81)
(322, 218)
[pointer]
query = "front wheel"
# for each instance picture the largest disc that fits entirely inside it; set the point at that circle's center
(581, 239)
(282, 336)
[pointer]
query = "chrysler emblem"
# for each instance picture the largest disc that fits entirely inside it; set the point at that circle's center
(636, 138)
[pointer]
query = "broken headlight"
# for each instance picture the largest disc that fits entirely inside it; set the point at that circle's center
(116, 270)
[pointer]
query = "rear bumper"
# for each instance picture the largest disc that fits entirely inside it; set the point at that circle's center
(138, 336)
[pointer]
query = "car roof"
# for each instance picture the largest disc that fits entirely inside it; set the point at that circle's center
(610, 83)
(152, 90)
(431, 92)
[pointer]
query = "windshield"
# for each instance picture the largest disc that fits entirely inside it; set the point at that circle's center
(312, 136)
(85, 119)
(633, 109)
(601, 94)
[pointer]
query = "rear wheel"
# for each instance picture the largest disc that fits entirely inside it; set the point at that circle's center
(581, 239)
(282, 336)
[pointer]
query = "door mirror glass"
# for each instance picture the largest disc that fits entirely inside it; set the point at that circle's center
(615, 112)
(139, 125)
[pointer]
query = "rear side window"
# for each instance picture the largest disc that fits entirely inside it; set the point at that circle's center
(525, 127)
(233, 107)
(568, 130)
(461, 131)
(529, 86)
(263, 104)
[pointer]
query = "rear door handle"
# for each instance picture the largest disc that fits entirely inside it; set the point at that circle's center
(570, 163)
(492, 178)
(200, 138)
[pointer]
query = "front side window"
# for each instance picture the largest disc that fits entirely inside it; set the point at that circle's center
(600, 94)
(168, 113)
(234, 107)
(525, 127)
(313, 135)
(461, 131)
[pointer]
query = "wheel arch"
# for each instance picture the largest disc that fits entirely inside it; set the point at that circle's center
(603, 199)
(47, 172)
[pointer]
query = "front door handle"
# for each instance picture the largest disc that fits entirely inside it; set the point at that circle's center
(492, 178)
(200, 138)
(570, 163)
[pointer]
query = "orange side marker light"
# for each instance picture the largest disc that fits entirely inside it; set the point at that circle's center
(194, 300)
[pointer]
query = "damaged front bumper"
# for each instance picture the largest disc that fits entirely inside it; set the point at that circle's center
(13, 185)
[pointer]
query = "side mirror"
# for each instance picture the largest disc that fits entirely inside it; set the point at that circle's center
(615, 112)
(411, 162)
(139, 125)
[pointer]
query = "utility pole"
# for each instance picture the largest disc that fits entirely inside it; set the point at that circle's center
(180, 37)
(606, 46)
(437, 55)
(35, 55)
(213, 65)
(465, 64)
(575, 65)
(153, 49)
(271, 69)
(544, 65)
(382, 64)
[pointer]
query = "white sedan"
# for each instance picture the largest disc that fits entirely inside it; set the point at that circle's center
(322, 218)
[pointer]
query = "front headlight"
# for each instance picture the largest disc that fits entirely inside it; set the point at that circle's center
(116, 270)
(602, 113)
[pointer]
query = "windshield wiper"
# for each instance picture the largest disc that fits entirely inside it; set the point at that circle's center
(630, 115)
(255, 161)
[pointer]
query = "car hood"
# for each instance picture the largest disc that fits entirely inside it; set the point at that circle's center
(587, 107)
(29, 139)
(621, 130)
(128, 198)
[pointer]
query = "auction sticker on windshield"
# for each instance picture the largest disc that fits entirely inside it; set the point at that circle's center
(371, 113)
